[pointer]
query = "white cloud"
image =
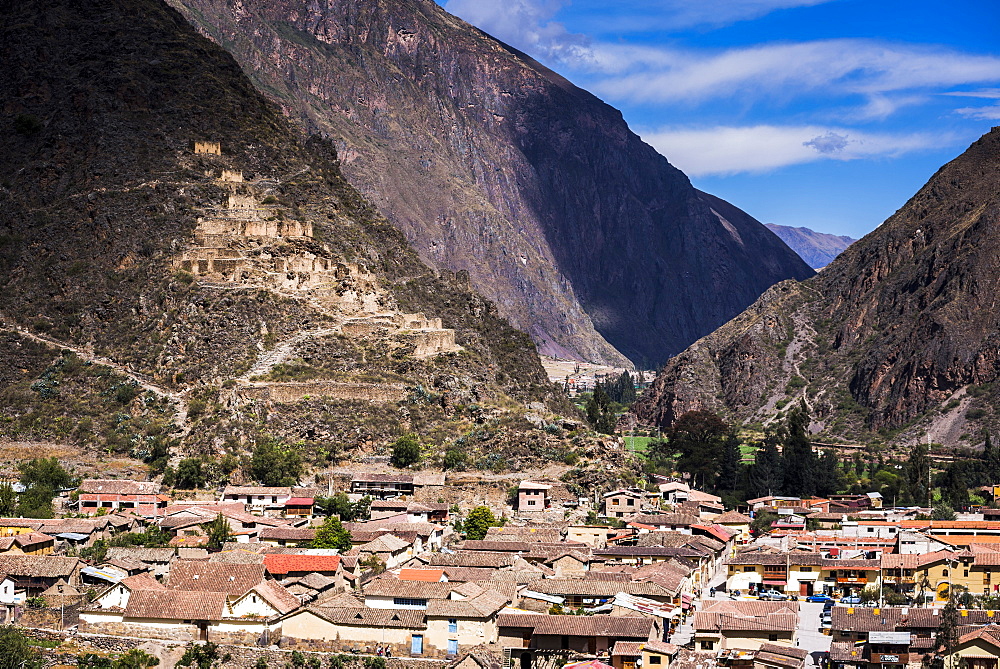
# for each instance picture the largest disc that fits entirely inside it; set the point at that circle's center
(987, 93)
(686, 14)
(528, 25)
(732, 150)
(831, 67)
(981, 113)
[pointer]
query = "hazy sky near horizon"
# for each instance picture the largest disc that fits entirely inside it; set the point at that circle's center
(827, 114)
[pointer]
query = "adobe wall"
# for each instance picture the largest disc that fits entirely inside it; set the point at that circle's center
(293, 392)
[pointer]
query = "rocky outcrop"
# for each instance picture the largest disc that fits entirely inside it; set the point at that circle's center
(818, 249)
(903, 322)
(493, 165)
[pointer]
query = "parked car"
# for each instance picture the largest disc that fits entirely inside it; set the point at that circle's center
(827, 618)
(820, 598)
(854, 600)
(773, 595)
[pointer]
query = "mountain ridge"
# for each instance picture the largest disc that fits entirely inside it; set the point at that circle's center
(490, 163)
(897, 336)
(817, 249)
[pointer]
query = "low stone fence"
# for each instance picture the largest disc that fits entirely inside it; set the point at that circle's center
(293, 392)
(239, 657)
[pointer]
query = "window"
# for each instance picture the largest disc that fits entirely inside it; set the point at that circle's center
(407, 601)
(966, 573)
(944, 572)
(805, 568)
(772, 637)
(654, 659)
(631, 502)
(532, 502)
(452, 625)
(615, 501)
(708, 645)
(749, 569)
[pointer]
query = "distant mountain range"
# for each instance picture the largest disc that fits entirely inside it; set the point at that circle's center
(818, 249)
(493, 165)
(900, 334)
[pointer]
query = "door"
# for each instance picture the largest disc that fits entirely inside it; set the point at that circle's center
(804, 588)
(453, 647)
(417, 645)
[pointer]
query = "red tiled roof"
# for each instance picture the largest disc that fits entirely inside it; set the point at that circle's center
(300, 501)
(425, 575)
(279, 565)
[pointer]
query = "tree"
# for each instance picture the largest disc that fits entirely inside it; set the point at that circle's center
(797, 453)
(767, 473)
(943, 511)
(454, 459)
(202, 656)
(761, 523)
(274, 463)
(218, 531)
(621, 389)
(991, 461)
(479, 520)
(405, 451)
(600, 413)
(730, 464)
(331, 534)
(44, 472)
(917, 472)
(16, 652)
(829, 478)
(698, 437)
(955, 485)
(8, 500)
(189, 474)
(42, 479)
(340, 505)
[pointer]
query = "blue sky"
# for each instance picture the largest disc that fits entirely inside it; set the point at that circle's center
(828, 114)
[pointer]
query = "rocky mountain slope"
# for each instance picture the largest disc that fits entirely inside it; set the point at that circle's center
(182, 269)
(817, 249)
(900, 334)
(490, 163)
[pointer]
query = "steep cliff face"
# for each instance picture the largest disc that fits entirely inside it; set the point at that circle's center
(583, 235)
(191, 250)
(904, 321)
(818, 249)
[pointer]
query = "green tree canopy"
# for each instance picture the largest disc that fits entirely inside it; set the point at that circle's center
(274, 463)
(219, 532)
(600, 413)
(331, 534)
(405, 451)
(8, 500)
(698, 437)
(16, 652)
(799, 459)
(189, 474)
(479, 520)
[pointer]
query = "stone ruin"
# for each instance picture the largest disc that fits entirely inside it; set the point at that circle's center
(426, 335)
(211, 148)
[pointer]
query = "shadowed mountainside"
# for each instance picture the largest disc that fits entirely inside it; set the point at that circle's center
(582, 234)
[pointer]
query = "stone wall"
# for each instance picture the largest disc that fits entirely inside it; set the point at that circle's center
(293, 392)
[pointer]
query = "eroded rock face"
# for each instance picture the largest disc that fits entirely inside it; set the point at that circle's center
(898, 324)
(584, 236)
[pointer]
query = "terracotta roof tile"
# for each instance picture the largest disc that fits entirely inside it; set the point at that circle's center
(234, 579)
(622, 627)
(424, 575)
(176, 605)
(365, 617)
(280, 565)
(119, 487)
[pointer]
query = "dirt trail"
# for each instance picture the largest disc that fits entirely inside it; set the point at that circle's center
(144, 382)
